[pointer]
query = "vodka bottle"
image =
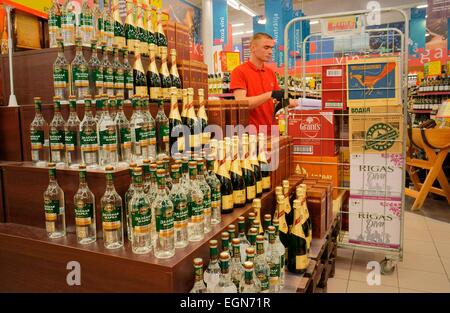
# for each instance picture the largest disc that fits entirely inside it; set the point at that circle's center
(54, 206)
(56, 135)
(84, 202)
(72, 135)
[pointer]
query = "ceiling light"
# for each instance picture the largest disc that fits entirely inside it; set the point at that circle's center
(422, 6)
(426, 16)
(262, 20)
(237, 25)
(247, 10)
(234, 4)
(238, 33)
(313, 22)
(427, 34)
(249, 32)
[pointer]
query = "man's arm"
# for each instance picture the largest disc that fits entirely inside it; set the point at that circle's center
(253, 102)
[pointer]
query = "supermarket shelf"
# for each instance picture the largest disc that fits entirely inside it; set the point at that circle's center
(434, 93)
(420, 111)
(221, 95)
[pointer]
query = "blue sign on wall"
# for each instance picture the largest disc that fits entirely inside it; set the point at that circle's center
(371, 81)
(220, 25)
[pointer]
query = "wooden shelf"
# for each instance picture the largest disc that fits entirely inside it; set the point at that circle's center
(221, 95)
(434, 93)
(420, 111)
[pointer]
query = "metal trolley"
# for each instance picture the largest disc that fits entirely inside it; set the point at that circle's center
(359, 51)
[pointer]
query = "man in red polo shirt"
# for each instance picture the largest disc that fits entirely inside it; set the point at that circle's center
(257, 84)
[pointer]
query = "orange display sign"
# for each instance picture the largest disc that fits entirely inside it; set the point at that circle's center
(342, 25)
(230, 60)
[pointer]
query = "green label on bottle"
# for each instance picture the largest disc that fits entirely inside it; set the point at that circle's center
(248, 275)
(54, 20)
(274, 270)
(96, 75)
(128, 79)
(151, 134)
(264, 281)
(60, 77)
(108, 136)
(140, 134)
(130, 32)
(37, 137)
(125, 135)
(86, 20)
(68, 19)
(108, 77)
(181, 212)
(164, 132)
(119, 30)
(56, 138)
(206, 202)
(81, 76)
(51, 206)
(84, 210)
(118, 79)
(215, 194)
(88, 137)
(164, 221)
(195, 209)
(70, 137)
(111, 213)
(141, 215)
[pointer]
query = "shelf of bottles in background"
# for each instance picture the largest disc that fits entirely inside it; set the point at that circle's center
(39, 136)
(72, 135)
(68, 23)
(195, 206)
(140, 216)
(61, 73)
(123, 129)
(174, 75)
(86, 29)
(216, 196)
(54, 23)
(239, 189)
(111, 209)
(206, 190)
(88, 136)
(56, 135)
(80, 72)
(178, 196)
(107, 135)
(130, 27)
(118, 72)
(225, 284)
(199, 285)
(54, 206)
(212, 272)
(161, 38)
(84, 203)
(95, 72)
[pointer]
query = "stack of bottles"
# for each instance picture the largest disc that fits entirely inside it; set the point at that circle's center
(256, 262)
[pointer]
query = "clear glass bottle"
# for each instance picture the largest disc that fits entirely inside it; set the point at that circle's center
(252, 233)
(80, 72)
(128, 75)
(140, 217)
(72, 135)
(112, 105)
(225, 240)
(250, 253)
(54, 206)
(119, 28)
(250, 219)
(123, 130)
(199, 285)
(244, 244)
(237, 271)
(147, 176)
(86, 24)
(95, 72)
(88, 136)
(108, 72)
(68, 23)
(107, 137)
(249, 284)
(262, 268)
(179, 197)
(216, 196)
(61, 73)
(118, 72)
(267, 223)
(206, 190)
(111, 204)
(137, 125)
(196, 230)
(84, 202)
(163, 208)
(54, 23)
(56, 135)
(162, 132)
(166, 81)
(282, 250)
(225, 284)
(273, 258)
(97, 21)
(39, 136)
(212, 273)
(151, 129)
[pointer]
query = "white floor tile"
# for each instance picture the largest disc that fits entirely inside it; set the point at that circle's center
(423, 281)
(337, 285)
(357, 287)
(440, 236)
(420, 247)
(443, 249)
(359, 272)
(420, 262)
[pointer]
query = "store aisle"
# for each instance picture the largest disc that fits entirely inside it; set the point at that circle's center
(425, 266)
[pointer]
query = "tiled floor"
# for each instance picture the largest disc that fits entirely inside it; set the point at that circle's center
(425, 266)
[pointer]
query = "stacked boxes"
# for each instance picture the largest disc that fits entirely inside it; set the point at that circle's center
(334, 85)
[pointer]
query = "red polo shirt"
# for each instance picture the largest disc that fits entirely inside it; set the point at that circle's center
(256, 81)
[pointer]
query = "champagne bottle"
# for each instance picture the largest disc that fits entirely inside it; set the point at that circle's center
(247, 171)
(239, 191)
(175, 77)
(175, 124)
(119, 28)
(226, 188)
(140, 30)
(201, 113)
(193, 123)
(160, 36)
(130, 28)
(166, 81)
(297, 261)
(253, 158)
(264, 164)
(184, 107)
(139, 78)
(151, 35)
(306, 218)
(153, 78)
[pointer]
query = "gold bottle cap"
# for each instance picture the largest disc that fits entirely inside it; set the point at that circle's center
(267, 217)
(56, 98)
(192, 164)
(213, 243)
(225, 235)
(125, 48)
(133, 164)
(256, 203)
(241, 219)
(198, 262)
(248, 265)
(251, 215)
(236, 241)
(231, 227)
(153, 166)
(51, 165)
(82, 166)
(175, 167)
(286, 183)
(253, 231)
(280, 198)
(137, 170)
(224, 256)
(260, 238)
(109, 168)
(271, 229)
(250, 251)
(72, 98)
(278, 190)
(112, 97)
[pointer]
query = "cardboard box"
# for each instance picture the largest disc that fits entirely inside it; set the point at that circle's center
(374, 221)
(318, 168)
(334, 87)
(376, 175)
(376, 130)
(344, 170)
(314, 132)
(316, 202)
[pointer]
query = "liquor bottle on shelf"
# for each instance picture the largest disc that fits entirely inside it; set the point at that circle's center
(56, 135)
(256, 205)
(88, 136)
(216, 196)
(212, 272)
(108, 26)
(153, 78)
(263, 162)
(280, 215)
(305, 217)
(247, 171)
(228, 152)
(244, 244)
(267, 222)
(84, 202)
(179, 197)
(163, 208)
(130, 28)
(123, 131)
(297, 261)
(199, 285)
(262, 268)
(107, 135)
(140, 217)
(273, 258)
(253, 158)
(206, 190)
(226, 188)
(203, 117)
(225, 284)
(54, 23)
(86, 24)
(237, 271)
(138, 140)
(97, 21)
(161, 38)
(282, 249)
(151, 129)
(61, 73)
(162, 132)
(128, 75)
(239, 191)
(184, 97)
(128, 195)
(39, 136)
(72, 135)
(99, 107)
(108, 72)
(112, 105)
(248, 284)
(252, 233)
(80, 72)
(176, 139)
(111, 204)
(225, 242)
(147, 177)
(140, 29)
(195, 206)
(54, 206)
(289, 213)
(151, 35)
(68, 23)
(231, 229)
(166, 81)
(95, 72)
(193, 123)
(174, 75)
(119, 28)
(139, 77)
(118, 72)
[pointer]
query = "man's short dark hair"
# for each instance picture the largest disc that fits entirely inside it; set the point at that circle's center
(260, 36)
